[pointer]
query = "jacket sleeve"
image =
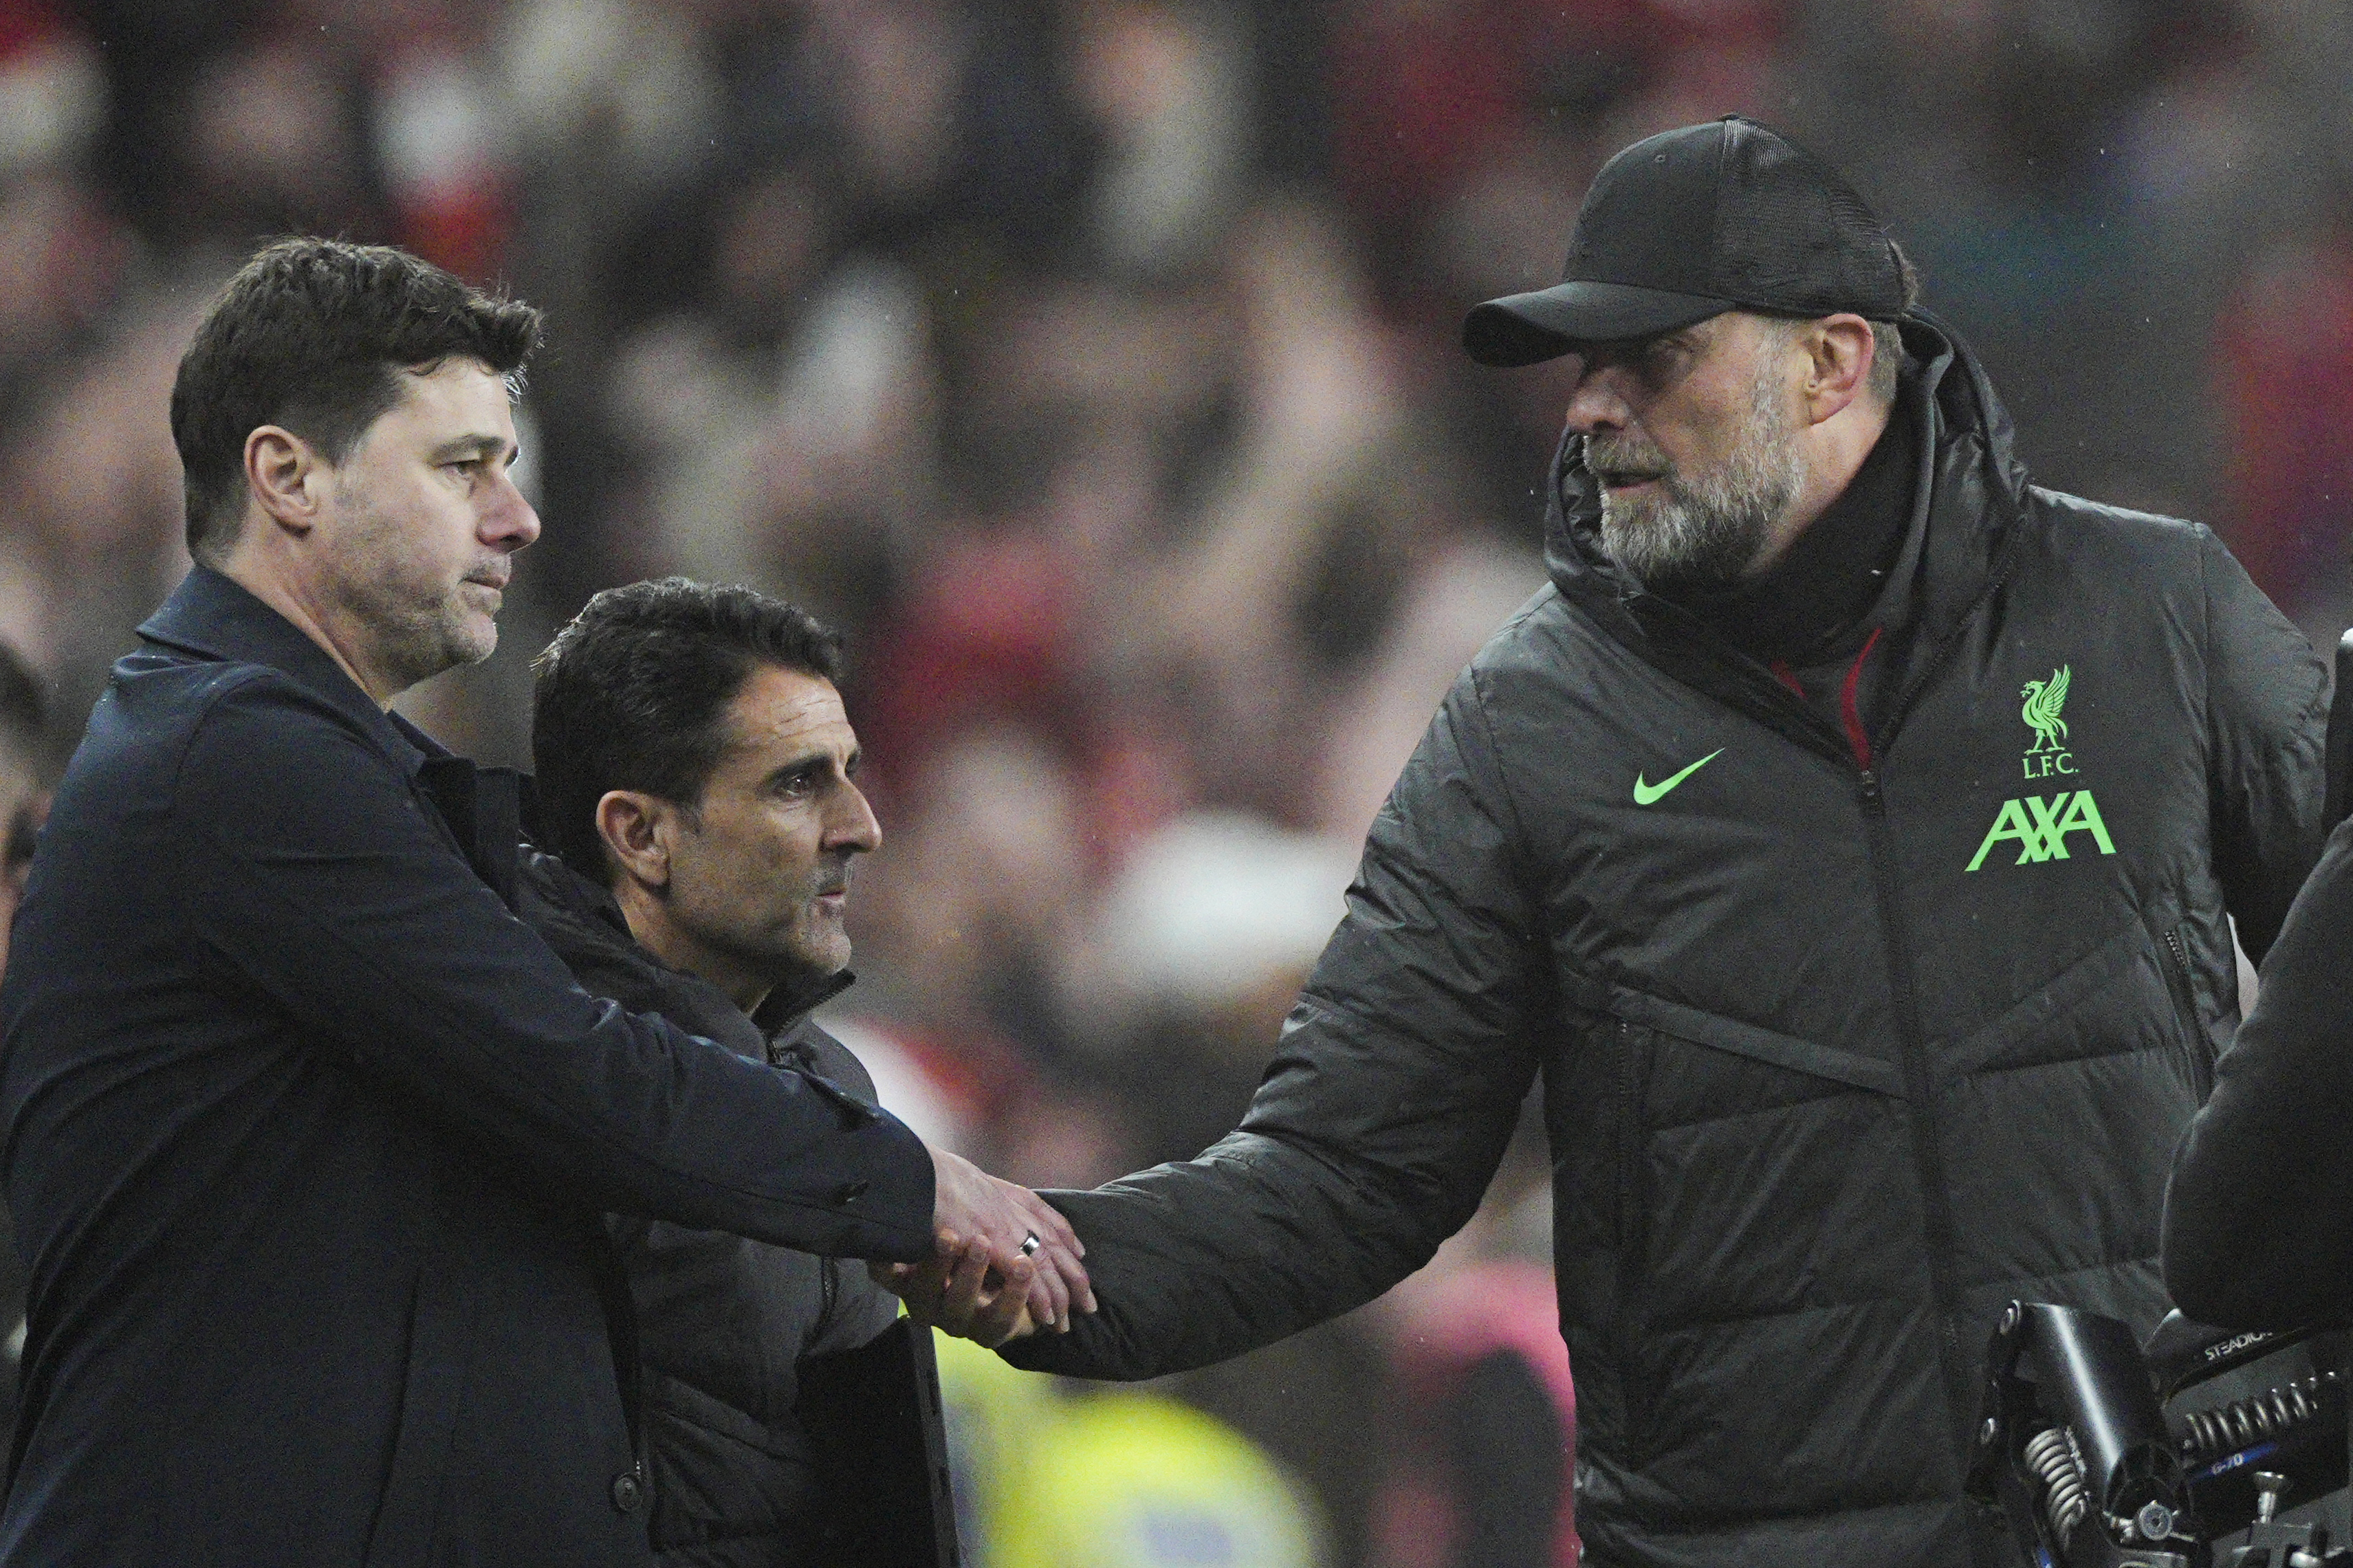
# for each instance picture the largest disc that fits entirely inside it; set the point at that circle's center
(312, 874)
(2267, 715)
(2259, 1213)
(1396, 1084)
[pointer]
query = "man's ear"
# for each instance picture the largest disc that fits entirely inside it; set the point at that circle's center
(286, 476)
(1838, 352)
(635, 828)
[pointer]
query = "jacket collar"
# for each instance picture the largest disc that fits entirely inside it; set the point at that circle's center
(786, 1005)
(1969, 502)
(594, 909)
(212, 617)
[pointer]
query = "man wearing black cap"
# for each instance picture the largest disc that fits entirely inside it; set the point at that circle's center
(1846, 834)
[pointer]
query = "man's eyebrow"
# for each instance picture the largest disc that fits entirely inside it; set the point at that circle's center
(458, 448)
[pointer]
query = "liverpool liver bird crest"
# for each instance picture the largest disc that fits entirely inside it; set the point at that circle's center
(2044, 700)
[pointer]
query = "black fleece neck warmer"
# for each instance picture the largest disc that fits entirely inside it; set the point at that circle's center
(1810, 606)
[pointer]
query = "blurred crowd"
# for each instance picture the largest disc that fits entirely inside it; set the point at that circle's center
(1091, 363)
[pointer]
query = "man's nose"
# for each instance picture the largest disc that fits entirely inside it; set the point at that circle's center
(509, 522)
(1595, 403)
(854, 826)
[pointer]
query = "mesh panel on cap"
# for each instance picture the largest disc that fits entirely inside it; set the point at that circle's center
(1777, 245)
(1868, 264)
(1792, 236)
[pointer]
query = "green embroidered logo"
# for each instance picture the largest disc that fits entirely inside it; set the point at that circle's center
(1644, 793)
(2040, 828)
(2048, 754)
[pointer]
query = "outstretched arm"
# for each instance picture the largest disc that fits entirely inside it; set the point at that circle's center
(1397, 1085)
(312, 876)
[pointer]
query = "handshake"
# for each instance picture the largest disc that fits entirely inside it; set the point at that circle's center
(1005, 1263)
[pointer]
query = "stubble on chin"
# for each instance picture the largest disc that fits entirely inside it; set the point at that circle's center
(1703, 532)
(804, 949)
(1675, 539)
(471, 635)
(419, 624)
(822, 944)
(421, 641)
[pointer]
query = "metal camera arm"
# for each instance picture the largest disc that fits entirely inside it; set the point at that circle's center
(2072, 1446)
(2271, 1543)
(2259, 1420)
(2077, 1449)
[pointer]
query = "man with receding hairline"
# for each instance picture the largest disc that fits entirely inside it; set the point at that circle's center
(1850, 834)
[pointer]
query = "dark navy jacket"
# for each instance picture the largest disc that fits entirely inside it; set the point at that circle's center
(306, 1138)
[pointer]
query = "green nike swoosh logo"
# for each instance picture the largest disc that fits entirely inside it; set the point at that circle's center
(1644, 794)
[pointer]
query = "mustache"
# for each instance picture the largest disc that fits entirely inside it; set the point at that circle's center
(492, 575)
(834, 877)
(1624, 454)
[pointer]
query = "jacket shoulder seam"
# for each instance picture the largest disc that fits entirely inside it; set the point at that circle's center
(1494, 755)
(1546, 597)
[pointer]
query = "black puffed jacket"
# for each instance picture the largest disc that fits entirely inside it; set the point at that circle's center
(723, 1323)
(1845, 1040)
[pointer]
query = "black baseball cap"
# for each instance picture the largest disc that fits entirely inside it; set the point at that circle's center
(1690, 223)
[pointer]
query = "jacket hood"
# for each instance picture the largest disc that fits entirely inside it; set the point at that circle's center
(1968, 504)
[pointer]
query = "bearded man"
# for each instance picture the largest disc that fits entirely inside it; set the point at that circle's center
(1861, 1005)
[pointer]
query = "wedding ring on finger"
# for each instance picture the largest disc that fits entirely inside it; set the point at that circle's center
(1030, 1244)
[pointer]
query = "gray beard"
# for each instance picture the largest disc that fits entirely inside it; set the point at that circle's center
(1702, 531)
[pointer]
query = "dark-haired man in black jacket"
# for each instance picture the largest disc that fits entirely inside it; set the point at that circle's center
(699, 779)
(1846, 835)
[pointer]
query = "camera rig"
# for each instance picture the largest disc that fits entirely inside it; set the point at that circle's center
(2101, 1454)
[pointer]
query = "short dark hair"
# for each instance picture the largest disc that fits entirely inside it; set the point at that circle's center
(633, 694)
(312, 334)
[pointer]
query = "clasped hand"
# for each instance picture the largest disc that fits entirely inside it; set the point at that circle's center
(978, 1284)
